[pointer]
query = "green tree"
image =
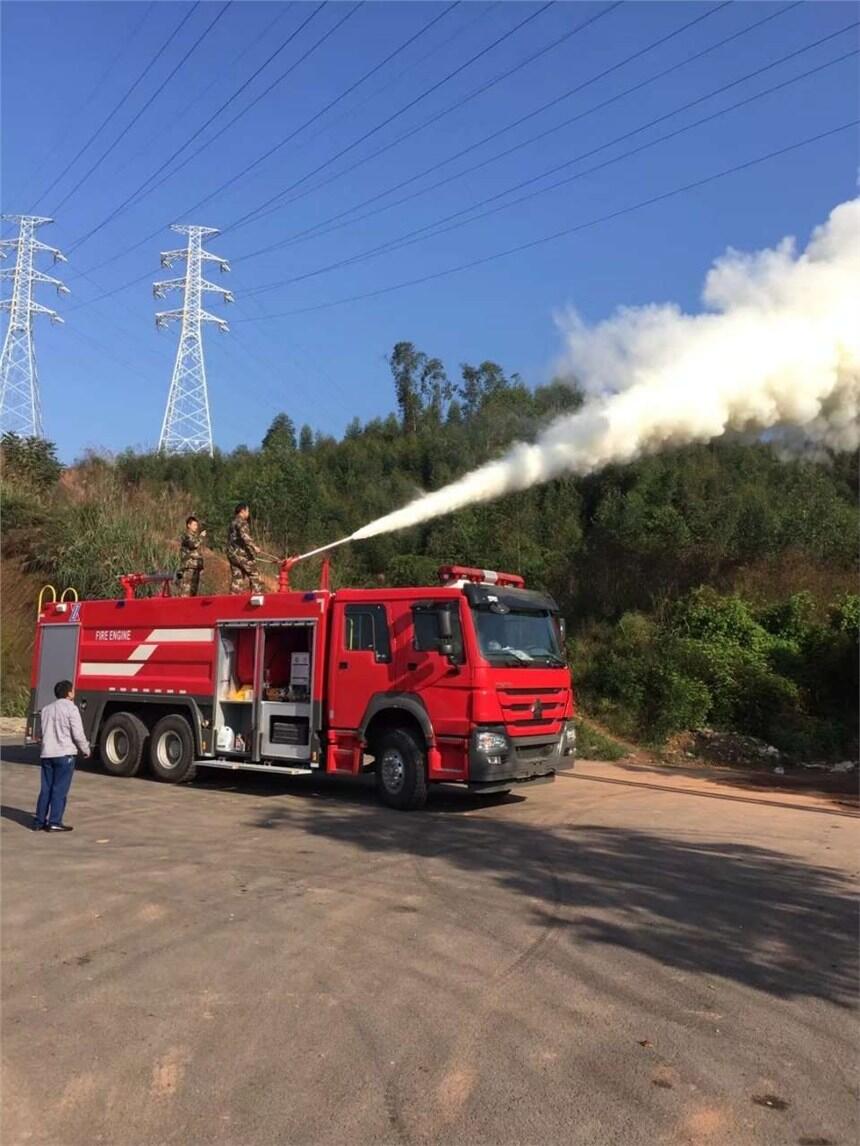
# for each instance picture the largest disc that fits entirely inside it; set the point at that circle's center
(479, 383)
(281, 434)
(405, 363)
(32, 461)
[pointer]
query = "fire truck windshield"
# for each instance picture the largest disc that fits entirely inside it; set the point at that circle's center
(517, 637)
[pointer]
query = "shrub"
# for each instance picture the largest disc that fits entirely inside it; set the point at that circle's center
(673, 702)
(774, 673)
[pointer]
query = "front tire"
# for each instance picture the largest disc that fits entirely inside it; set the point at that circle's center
(121, 744)
(401, 770)
(171, 750)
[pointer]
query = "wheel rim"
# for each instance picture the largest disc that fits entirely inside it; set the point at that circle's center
(117, 746)
(168, 750)
(393, 769)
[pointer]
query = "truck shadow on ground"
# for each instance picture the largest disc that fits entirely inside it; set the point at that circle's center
(345, 790)
(746, 913)
(749, 914)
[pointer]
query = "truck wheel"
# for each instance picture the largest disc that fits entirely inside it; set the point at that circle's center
(121, 744)
(401, 773)
(171, 750)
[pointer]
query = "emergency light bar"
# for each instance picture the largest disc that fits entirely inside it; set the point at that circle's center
(451, 573)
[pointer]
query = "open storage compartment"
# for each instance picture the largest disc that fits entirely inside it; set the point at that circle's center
(285, 711)
(263, 706)
(234, 690)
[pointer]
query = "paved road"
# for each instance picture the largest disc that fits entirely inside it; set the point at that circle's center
(599, 962)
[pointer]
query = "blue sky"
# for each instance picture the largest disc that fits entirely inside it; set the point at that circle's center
(105, 374)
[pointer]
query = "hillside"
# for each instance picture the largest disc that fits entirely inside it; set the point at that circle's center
(708, 586)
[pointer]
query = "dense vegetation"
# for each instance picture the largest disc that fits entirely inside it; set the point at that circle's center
(708, 586)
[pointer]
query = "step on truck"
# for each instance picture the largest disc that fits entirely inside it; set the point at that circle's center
(463, 682)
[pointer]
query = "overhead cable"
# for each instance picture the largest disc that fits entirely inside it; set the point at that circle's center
(94, 167)
(438, 227)
(144, 189)
(567, 231)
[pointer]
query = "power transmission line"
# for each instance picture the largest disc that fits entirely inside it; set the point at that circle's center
(269, 205)
(607, 71)
(76, 114)
(117, 106)
(20, 404)
(144, 108)
(566, 231)
(437, 226)
(187, 427)
(373, 95)
(143, 189)
(411, 68)
(402, 110)
(182, 113)
(313, 395)
(307, 123)
(106, 352)
(588, 111)
(323, 227)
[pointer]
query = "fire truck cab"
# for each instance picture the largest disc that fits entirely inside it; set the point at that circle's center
(463, 682)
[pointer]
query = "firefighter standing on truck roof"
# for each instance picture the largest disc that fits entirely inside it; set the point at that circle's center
(191, 558)
(242, 553)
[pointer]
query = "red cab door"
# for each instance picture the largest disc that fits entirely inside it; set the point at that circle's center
(361, 662)
(431, 662)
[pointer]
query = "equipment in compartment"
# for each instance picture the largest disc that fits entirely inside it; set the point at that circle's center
(289, 730)
(285, 710)
(234, 694)
(263, 690)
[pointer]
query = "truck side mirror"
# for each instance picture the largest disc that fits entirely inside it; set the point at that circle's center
(446, 648)
(446, 630)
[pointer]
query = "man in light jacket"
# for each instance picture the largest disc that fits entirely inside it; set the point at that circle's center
(62, 738)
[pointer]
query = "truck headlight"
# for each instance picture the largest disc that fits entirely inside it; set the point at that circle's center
(491, 742)
(568, 739)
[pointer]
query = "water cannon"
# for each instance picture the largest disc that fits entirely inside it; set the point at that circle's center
(288, 562)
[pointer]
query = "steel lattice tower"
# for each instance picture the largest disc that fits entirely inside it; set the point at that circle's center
(20, 406)
(187, 427)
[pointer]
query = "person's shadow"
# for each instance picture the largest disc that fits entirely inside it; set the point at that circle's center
(16, 815)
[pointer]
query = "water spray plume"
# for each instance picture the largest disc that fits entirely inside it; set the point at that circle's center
(323, 548)
(776, 352)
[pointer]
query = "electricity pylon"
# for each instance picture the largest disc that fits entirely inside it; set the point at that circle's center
(187, 427)
(20, 405)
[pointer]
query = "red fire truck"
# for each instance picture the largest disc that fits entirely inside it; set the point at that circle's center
(461, 682)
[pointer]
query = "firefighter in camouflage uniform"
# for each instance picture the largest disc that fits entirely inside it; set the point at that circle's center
(191, 558)
(242, 553)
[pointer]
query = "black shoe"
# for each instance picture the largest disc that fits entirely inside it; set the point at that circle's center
(37, 827)
(59, 828)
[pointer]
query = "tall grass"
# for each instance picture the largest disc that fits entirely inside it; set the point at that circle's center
(99, 528)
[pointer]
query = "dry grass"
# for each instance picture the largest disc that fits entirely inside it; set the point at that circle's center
(18, 595)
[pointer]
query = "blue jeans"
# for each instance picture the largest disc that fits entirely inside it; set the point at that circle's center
(57, 772)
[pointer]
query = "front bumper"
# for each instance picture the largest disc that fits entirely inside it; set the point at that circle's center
(527, 759)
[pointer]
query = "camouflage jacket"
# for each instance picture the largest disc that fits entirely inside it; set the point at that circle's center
(239, 540)
(190, 555)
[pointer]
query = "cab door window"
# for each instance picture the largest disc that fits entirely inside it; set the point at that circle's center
(365, 629)
(428, 628)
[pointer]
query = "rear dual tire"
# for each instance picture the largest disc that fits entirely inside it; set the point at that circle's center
(171, 750)
(122, 743)
(125, 738)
